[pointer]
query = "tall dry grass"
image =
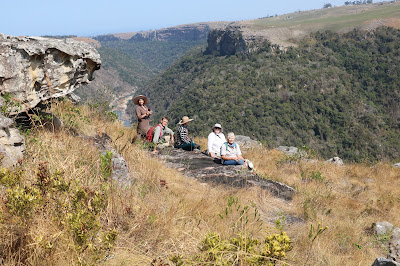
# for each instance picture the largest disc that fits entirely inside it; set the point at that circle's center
(155, 221)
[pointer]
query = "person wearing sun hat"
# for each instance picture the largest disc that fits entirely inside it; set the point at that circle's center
(215, 140)
(143, 115)
(183, 141)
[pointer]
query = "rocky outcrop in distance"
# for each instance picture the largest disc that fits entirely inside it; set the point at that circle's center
(182, 33)
(231, 40)
(189, 32)
(33, 70)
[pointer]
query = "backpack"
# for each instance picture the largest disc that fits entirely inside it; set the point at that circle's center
(150, 132)
(226, 145)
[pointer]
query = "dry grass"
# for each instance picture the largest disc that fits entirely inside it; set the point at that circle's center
(153, 221)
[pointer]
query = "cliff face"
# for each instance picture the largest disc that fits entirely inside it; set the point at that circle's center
(183, 33)
(226, 42)
(35, 69)
(231, 40)
(192, 32)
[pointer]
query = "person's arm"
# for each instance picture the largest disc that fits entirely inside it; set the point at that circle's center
(239, 152)
(156, 134)
(209, 145)
(171, 133)
(139, 113)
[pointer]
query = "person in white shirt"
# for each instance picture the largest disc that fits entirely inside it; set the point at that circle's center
(215, 140)
(231, 154)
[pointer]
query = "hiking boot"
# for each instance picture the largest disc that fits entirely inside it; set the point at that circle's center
(250, 165)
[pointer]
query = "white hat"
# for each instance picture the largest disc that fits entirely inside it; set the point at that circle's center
(217, 126)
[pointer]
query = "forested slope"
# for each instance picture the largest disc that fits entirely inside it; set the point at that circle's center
(128, 64)
(337, 94)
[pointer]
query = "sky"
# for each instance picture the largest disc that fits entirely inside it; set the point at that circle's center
(96, 17)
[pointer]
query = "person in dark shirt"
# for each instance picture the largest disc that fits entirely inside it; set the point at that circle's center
(183, 141)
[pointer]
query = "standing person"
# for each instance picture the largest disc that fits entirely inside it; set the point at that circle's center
(231, 154)
(162, 135)
(183, 141)
(143, 114)
(215, 140)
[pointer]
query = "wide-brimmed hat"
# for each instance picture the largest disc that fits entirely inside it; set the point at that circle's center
(217, 126)
(184, 120)
(137, 98)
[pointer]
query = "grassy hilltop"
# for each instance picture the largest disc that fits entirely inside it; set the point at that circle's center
(286, 28)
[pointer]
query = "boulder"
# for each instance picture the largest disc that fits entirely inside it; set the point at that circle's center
(396, 165)
(246, 142)
(205, 169)
(288, 150)
(384, 262)
(292, 151)
(120, 171)
(335, 160)
(12, 144)
(35, 69)
(393, 244)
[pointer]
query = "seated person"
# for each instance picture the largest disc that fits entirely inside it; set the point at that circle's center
(162, 135)
(183, 141)
(231, 154)
(215, 140)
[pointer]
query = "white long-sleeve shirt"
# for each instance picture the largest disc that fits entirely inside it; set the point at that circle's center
(215, 142)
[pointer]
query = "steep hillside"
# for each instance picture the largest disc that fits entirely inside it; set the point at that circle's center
(337, 94)
(129, 64)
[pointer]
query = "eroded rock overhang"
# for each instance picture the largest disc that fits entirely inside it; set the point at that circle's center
(35, 69)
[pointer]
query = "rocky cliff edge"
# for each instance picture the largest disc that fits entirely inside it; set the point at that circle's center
(35, 69)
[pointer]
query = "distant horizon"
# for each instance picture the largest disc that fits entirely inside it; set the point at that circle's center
(93, 18)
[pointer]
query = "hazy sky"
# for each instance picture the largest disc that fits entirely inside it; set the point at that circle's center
(95, 17)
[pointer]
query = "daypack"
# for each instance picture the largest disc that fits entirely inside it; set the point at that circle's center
(150, 132)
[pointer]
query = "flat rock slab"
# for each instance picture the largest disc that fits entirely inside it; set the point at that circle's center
(205, 169)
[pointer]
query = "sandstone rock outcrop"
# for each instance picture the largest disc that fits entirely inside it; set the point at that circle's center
(226, 42)
(205, 169)
(35, 69)
(12, 144)
(246, 142)
(389, 231)
(231, 40)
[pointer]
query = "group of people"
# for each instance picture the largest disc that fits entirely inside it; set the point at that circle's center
(218, 147)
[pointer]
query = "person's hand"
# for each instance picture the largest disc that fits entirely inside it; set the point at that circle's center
(212, 155)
